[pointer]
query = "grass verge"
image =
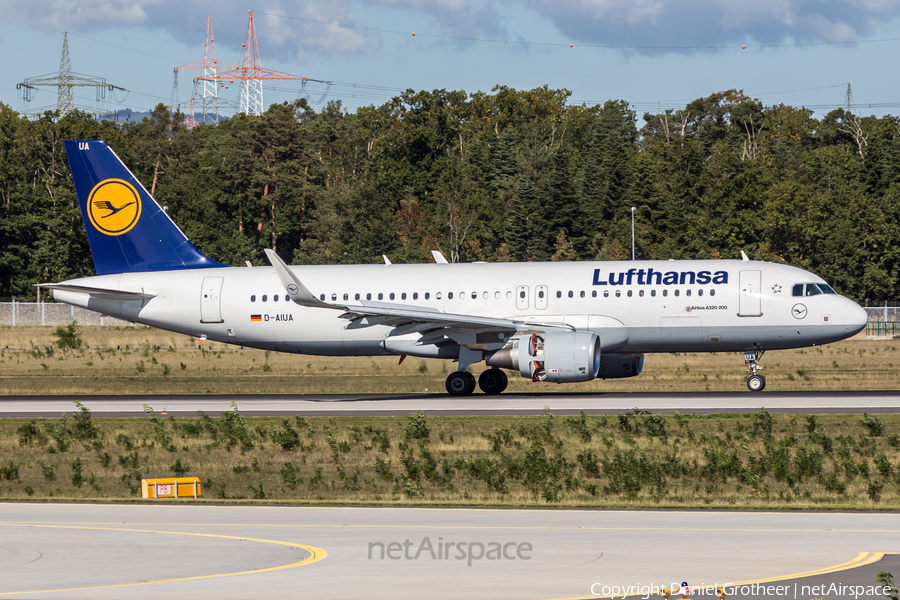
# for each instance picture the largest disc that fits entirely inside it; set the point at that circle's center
(634, 460)
(140, 360)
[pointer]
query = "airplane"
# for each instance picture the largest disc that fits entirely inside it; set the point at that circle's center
(554, 322)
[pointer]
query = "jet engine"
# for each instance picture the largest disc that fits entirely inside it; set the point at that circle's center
(617, 366)
(561, 357)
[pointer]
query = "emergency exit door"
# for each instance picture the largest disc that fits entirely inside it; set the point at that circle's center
(749, 304)
(211, 300)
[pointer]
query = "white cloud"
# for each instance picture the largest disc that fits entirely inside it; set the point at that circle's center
(656, 26)
(297, 29)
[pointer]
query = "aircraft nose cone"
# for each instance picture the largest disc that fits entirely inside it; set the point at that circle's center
(855, 317)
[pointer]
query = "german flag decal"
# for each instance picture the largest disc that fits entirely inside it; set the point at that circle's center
(256, 317)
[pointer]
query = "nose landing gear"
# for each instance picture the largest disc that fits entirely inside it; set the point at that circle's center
(755, 383)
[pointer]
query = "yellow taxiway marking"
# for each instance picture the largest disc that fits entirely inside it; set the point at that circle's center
(316, 554)
(862, 559)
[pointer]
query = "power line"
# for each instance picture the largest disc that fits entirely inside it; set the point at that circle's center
(572, 45)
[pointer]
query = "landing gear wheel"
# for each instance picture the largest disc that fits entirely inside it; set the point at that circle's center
(460, 383)
(756, 383)
(493, 381)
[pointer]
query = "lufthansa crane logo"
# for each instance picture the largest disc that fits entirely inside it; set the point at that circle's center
(114, 207)
(799, 311)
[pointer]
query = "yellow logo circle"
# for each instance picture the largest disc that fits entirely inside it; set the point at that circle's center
(114, 207)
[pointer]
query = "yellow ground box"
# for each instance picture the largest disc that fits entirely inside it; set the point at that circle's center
(171, 487)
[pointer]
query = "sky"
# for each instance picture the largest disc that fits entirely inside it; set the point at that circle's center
(654, 54)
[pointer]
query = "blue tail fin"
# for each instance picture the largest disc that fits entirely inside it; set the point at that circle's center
(127, 229)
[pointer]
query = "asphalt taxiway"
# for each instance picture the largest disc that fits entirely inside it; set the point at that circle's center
(853, 402)
(76, 551)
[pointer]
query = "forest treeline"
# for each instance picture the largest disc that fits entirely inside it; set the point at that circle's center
(502, 176)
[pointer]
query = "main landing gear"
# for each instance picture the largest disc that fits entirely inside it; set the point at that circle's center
(755, 383)
(461, 383)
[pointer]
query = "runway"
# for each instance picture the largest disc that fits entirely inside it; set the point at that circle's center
(479, 404)
(75, 551)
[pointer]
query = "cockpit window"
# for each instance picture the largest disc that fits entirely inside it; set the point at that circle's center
(811, 289)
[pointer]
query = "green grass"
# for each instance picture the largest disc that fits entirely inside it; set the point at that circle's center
(634, 460)
(140, 360)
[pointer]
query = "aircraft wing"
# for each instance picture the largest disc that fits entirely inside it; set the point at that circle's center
(93, 292)
(405, 318)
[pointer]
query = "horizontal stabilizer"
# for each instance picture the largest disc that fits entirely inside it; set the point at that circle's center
(97, 292)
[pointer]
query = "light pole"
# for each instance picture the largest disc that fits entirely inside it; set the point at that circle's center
(632, 231)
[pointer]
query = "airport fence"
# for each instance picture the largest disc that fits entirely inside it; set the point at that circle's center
(52, 313)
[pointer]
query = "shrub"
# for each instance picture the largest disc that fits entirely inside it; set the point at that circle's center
(179, 468)
(287, 437)
(30, 432)
(417, 428)
(873, 425)
(68, 337)
(83, 428)
(11, 471)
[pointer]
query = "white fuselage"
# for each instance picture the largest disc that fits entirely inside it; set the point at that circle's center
(634, 307)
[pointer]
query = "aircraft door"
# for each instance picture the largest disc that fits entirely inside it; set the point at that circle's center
(211, 300)
(540, 297)
(522, 297)
(749, 304)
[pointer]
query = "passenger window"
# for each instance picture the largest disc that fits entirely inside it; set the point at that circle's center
(437, 296)
(582, 293)
(333, 297)
(571, 295)
(606, 293)
(629, 293)
(462, 295)
(797, 290)
(253, 298)
(593, 293)
(522, 294)
(428, 295)
(653, 293)
(677, 293)
(275, 298)
(641, 293)
(474, 295)
(415, 295)
(368, 296)
(712, 292)
(265, 297)
(346, 296)
(687, 293)
(559, 293)
(380, 296)
(541, 294)
(403, 296)
(618, 293)
(391, 296)
(699, 292)
(449, 295)
(496, 295)
(665, 293)
(356, 296)
(321, 297)
(508, 295)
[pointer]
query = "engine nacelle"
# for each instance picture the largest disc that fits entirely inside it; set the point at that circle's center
(561, 357)
(617, 366)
